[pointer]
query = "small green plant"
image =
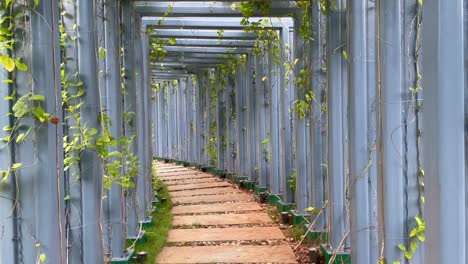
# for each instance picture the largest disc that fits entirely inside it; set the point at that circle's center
(292, 181)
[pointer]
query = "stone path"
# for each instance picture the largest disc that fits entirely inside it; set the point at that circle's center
(215, 222)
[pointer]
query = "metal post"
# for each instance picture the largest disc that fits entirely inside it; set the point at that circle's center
(276, 86)
(303, 157)
(337, 102)
(391, 77)
(221, 122)
(37, 187)
(286, 97)
(231, 120)
(262, 112)
(201, 104)
(251, 96)
(128, 27)
(112, 103)
(241, 110)
(8, 244)
(361, 135)
(318, 123)
(139, 80)
(147, 104)
(443, 138)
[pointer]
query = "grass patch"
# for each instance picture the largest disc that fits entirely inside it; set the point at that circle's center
(156, 235)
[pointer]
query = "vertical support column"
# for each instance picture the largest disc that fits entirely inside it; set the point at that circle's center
(148, 162)
(36, 188)
(337, 102)
(139, 80)
(221, 123)
(444, 156)
(241, 110)
(251, 96)
(304, 156)
(158, 119)
(391, 137)
(114, 210)
(276, 86)
(318, 122)
(262, 113)
(8, 222)
(192, 84)
(232, 121)
(286, 135)
(130, 101)
(183, 118)
(164, 92)
(362, 134)
(201, 104)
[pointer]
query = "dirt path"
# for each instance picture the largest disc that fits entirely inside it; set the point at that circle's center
(215, 222)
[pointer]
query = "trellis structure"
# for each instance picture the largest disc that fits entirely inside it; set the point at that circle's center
(325, 110)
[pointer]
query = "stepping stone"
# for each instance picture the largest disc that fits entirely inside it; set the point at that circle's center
(215, 208)
(197, 186)
(227, 254)
(193, 181)
(223, 219)
(211, 198)
(225, 234)
(183, 177)
(212, 191)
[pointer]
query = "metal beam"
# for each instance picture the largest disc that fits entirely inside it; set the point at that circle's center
(202, 33)
(216, 50)
(207, 8)
(241, 43)
(443, 138)
(213, 22)
(114, 209)
(337, 105)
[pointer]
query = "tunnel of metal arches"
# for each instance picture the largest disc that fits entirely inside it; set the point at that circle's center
(317, 104)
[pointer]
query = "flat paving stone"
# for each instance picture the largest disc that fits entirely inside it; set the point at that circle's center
(211, 191)
(223, 219)
(216, 208)
(211, 198)
(183, 177)
(225, 234)
(196, 186)
(227, 254)
(193, 181)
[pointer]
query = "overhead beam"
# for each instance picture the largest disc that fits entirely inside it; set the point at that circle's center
(206, 50)
(213, 22)
(202, 33)
(206, 8)
(213, 42)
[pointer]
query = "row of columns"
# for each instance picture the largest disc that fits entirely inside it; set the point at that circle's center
(360, 148)
(68, 216)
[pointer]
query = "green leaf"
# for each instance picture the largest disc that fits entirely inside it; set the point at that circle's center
(8, 62)
(21, 66)
(401, 247)
(420, 3)
(421, 237)
(67, 198)
(345, 54)
(16, 166)
(102, 52)
(37, 97)
(20, 138)
(38, 245)
(172, 41)
(42, 257)
(414, 246)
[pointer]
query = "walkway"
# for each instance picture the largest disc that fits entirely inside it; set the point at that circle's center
(215, 222)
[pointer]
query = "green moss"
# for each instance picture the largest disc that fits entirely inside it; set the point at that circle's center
(156, 235)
